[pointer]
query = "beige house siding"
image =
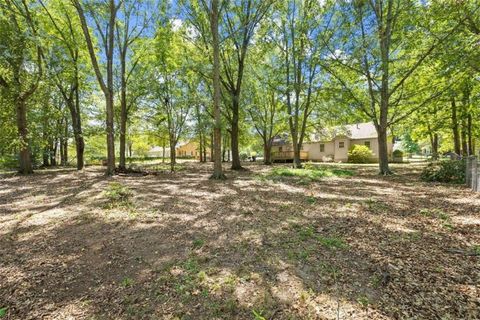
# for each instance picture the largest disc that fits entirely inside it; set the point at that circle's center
(315, 154)
(332, 151)
(337, 148)
(191, 150)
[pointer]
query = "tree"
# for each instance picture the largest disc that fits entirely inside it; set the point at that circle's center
(21, 56)
(172, 95)
(240, 21)
(136, 17)
(106, 31)
(65, 60)
(213, 13)
(378, 59)
(299, 37)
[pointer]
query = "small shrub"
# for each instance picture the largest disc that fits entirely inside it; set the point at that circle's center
(449, 171)
(397, 155)
(359, 154)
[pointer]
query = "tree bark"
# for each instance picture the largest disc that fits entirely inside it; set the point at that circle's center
(234, 133)
(267, 152)
(456, 134)
(25, 161)
(383, 151)
(217, 131)
(172, 155)
(469, 134)
(123, 110)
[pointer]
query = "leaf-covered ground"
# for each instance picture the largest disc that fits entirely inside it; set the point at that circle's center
(264, 244)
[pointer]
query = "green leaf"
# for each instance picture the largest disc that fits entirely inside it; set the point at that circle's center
(3, 312)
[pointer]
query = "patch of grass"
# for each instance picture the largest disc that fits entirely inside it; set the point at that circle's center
(118, 195)
(305, 233)
(311, 200)
(440, 215)
(127, 282)
(476, 249)
(307, 175)
(258, 315)
(332, 242)
(363, 301)
(198, 243)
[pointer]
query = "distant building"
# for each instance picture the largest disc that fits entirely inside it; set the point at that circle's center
(190, 149)
(332, 144)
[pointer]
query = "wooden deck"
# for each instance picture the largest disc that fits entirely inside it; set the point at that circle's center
(288, 156)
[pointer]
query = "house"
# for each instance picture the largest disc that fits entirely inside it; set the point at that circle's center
(332, 144)
(158, 152)
(191, 150)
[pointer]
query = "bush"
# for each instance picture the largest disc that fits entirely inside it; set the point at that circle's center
(359, 154)
(398, 154)
(450, 171)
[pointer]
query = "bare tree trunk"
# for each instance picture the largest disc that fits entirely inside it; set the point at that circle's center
(435, 146)
(172, 156)
(163, 151)
(456, 134)
(53, 152)
(236, 163)
(217, 131)
(267, 152)
(469, 134)
(383, 152)
(24, 154)
(464, 138)
(123, 110)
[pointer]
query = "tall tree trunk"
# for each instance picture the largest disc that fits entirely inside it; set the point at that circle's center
(200, 147)
(53, 152)
(383, 151)
(172, 155)
(123, 111)
(435, 146)
(64, 144)
(205, 148)
(163, 151)
(267, 152)
(25, 162)
(217, 131)
(236, 163)
(463, 136)
(110, 134)
(456, 134)
(469, 134)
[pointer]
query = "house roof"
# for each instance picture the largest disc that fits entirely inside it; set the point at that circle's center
(364, 130)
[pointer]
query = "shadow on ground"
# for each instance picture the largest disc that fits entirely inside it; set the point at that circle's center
(185, 247)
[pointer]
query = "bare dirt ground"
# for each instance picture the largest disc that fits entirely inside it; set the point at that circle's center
(185, 247)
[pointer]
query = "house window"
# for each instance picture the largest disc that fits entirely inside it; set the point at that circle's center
(341, 144)
(322, 147)
(367, 144)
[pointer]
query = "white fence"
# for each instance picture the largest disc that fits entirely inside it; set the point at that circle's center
(472, 174)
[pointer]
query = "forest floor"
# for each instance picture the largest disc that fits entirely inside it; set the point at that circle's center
(268, 243)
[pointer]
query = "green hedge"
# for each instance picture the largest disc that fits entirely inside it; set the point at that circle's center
(450, 171)
(360, 154)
